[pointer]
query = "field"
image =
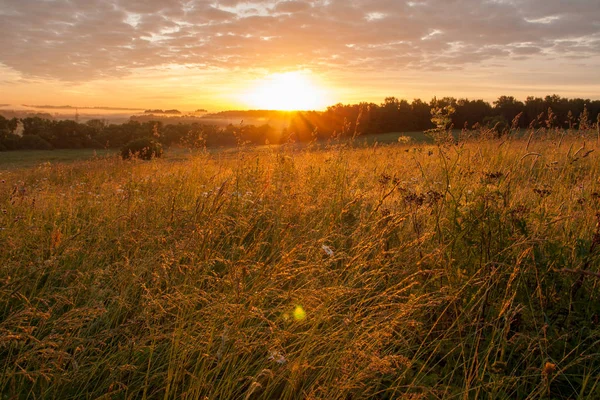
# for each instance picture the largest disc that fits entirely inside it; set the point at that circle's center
(32, 158)
(384, 271)
(14, 160)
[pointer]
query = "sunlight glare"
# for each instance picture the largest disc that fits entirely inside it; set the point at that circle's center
(287, 91)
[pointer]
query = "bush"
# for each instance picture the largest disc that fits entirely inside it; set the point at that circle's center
(93, 144)
(10, 142)
(34, 142)
(144, 148)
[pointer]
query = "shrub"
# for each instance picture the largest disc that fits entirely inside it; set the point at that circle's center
(93, 144)
(144, 148)
(10, 142)
(34, 142)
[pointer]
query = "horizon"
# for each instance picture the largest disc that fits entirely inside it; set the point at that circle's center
(295, 54)
(112, 110)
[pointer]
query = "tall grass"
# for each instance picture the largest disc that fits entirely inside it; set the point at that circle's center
(450, 271)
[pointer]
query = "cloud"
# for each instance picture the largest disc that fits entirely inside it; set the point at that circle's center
(292, 6)
(83, 40)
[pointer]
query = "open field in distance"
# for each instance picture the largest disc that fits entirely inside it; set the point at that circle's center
(31, 158)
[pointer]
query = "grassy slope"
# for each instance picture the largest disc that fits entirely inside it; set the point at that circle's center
(209, 277)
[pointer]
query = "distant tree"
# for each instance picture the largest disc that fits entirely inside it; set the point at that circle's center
(68, 134)
(34, 142)
(469, 113)
(508, 107)
(97, 126)
(421, 115)
(39, 127)
(8, 126)
(8, 139)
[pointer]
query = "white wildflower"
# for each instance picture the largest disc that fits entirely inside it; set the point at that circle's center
(277, 357)
(327, 250)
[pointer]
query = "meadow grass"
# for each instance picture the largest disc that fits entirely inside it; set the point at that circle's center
(32, 158)
(388, 271)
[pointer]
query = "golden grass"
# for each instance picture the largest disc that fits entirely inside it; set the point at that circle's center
(376, 272)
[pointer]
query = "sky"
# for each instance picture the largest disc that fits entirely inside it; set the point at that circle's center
(230, 54)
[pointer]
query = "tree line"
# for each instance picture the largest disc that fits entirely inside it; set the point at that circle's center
(396, 115)
(393, 115)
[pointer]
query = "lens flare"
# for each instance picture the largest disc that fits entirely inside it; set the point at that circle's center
(299, 313)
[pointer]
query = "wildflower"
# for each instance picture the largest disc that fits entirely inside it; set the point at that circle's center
(548, 369)
(277, 357)
(414, 198)
(542, 192)
(493, 175)
(327, 250)
(384, 179)
(433, 197)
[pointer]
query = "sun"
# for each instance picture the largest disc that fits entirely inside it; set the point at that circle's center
(287, 91)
